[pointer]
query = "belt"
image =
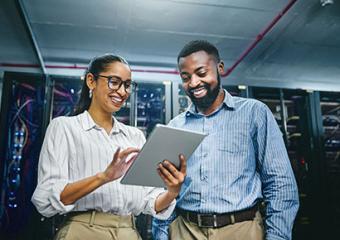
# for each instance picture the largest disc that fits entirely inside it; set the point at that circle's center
(218, 220)
(93, 217)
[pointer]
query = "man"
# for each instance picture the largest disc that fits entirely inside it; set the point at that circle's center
(242, 161)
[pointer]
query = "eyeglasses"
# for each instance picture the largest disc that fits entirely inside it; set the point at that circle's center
(114, 83)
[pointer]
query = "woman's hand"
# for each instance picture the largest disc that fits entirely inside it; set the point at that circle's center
(121, 162)
(172, 177)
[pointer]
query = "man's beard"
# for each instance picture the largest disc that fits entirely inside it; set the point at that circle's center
(206, 101)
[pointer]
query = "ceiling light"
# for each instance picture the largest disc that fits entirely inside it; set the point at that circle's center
(326, 2)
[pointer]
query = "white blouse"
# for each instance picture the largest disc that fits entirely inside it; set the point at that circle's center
(75, 148)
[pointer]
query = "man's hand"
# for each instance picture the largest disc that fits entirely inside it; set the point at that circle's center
(172, 177)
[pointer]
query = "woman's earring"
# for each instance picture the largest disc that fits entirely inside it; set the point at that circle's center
(90, 93)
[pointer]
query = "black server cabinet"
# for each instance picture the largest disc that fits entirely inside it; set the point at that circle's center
(65, 95)
(151, 108)
(22, 129)
(330, 111)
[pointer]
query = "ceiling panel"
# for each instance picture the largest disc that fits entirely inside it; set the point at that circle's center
(171, 44)
(186, 19)
(258, 5)
(101, 13)
(303, 46)
(305, 49)
(14, 43)
(67, 37)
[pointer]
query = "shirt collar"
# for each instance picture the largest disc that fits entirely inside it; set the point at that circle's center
(228, 103)
(88, 123)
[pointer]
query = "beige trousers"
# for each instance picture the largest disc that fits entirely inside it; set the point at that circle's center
(98, 225)
(247, 230)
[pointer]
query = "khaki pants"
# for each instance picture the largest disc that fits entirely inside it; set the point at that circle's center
(247, 230)
(97, 225)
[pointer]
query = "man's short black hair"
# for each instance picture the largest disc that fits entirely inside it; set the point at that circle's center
(199, 45)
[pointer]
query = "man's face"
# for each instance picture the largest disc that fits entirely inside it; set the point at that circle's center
(201, 78)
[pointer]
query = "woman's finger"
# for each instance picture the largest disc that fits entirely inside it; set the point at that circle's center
(128, 165)
(128, 151)
(131, 157)
(115, 156)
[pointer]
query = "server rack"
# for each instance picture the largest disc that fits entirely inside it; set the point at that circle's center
(151, 102)
(65, 95)
(22, 129)
(0, 89)
(330, 111)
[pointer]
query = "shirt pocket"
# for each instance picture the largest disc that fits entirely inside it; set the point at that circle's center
(233, 140)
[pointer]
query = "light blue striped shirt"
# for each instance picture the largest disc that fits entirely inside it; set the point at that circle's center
(242, 160)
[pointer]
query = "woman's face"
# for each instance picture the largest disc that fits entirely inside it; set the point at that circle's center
(105, 98)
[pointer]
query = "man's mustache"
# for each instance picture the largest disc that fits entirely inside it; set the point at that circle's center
(191, 90)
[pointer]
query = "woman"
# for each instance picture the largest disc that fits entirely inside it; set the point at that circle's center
(83, 158)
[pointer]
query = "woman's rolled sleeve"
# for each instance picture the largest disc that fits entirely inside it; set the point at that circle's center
(52, 171)
(47, 199)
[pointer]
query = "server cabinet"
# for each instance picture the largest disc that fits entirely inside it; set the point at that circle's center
(152, 105)
(22, 130)
(65, 92)
(0, 90)
(330, 111)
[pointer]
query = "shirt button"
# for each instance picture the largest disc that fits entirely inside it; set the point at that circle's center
(205, 154)
(203, 201)
(204, 178)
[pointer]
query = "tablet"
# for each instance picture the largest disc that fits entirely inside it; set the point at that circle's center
(164, 142)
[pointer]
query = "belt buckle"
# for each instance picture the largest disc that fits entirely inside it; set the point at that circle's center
(199, 221)
(232, 218)
(215, 220)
